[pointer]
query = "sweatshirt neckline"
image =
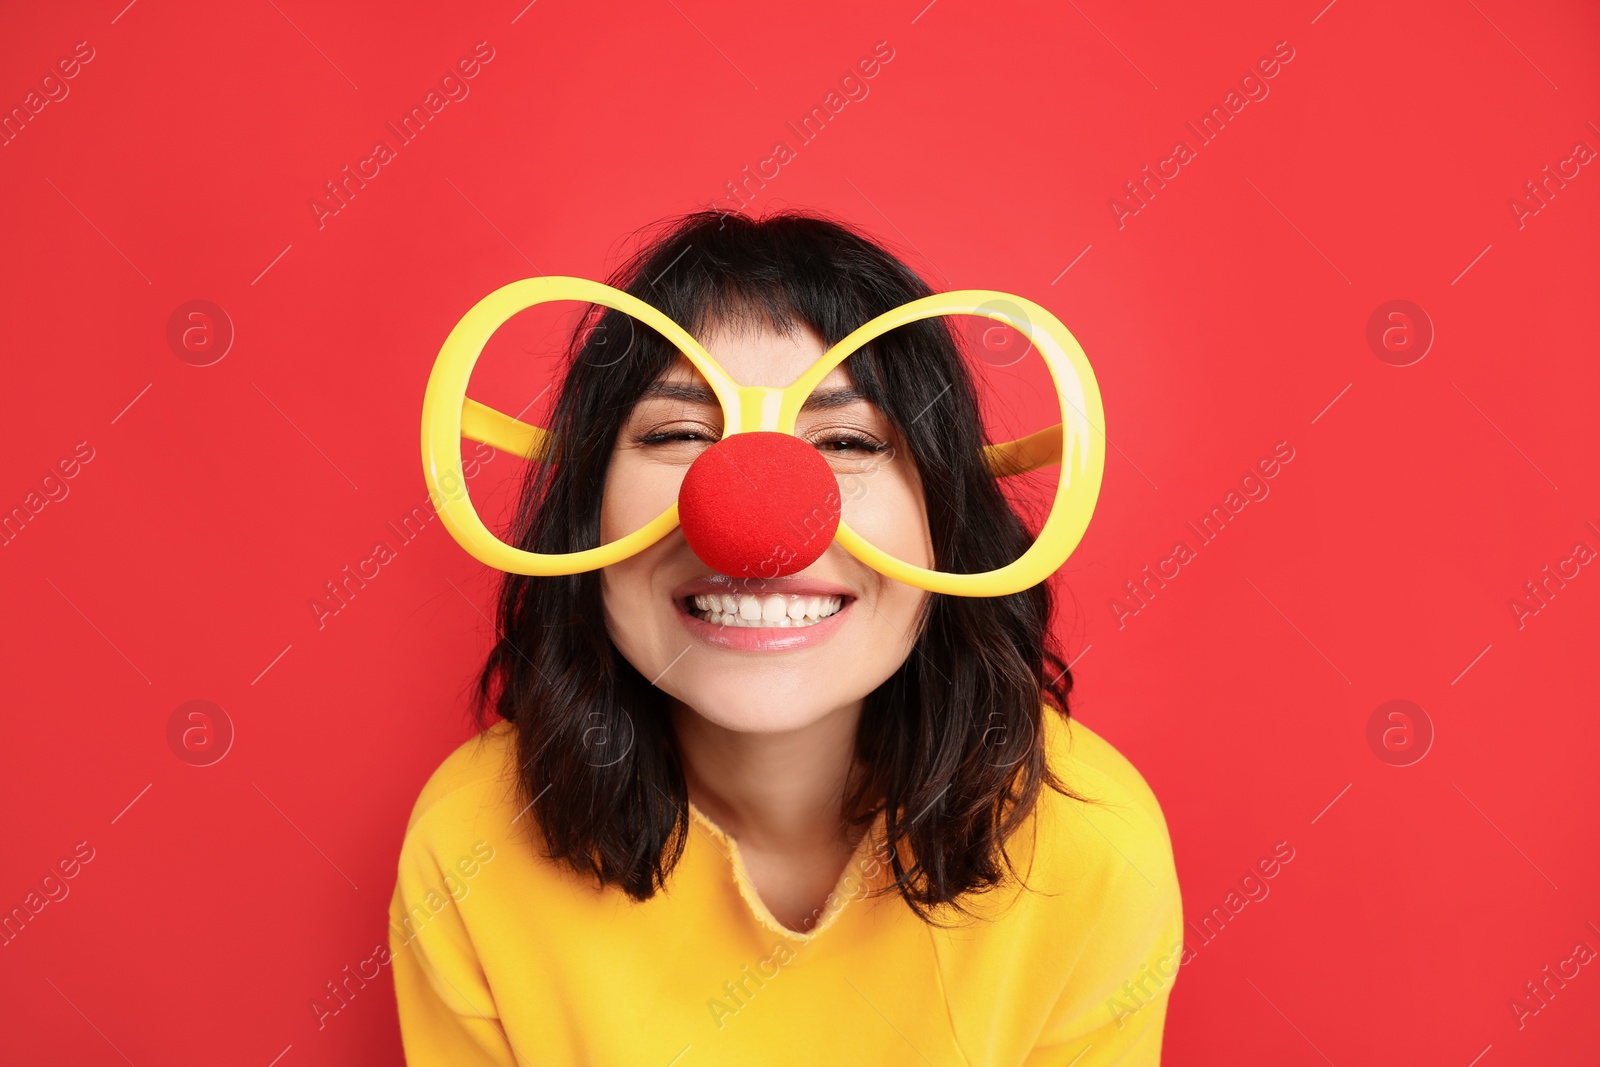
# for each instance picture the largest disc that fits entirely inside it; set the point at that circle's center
(838, 900)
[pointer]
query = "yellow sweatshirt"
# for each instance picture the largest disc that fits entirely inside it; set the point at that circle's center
(504, 958)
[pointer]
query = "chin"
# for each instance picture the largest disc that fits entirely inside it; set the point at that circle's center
(756, 702)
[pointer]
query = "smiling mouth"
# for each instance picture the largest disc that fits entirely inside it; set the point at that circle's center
(771, 610)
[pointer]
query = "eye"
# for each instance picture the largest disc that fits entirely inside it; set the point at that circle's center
(675, 438)
(848, 442)
(662, 437)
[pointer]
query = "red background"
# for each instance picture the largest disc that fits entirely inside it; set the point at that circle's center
(1224, 317)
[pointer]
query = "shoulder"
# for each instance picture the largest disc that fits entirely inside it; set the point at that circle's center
(1106, 853)
(435, 916)
(1102, 938)
(1111, 888)
(1098, 912)
(1112, 830)
(1114, 795)
(1101, 858)
(474, 786)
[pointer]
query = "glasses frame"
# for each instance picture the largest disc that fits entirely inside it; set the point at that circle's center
(1077, 443)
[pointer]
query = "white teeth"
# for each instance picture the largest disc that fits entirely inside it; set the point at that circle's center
(771, 609)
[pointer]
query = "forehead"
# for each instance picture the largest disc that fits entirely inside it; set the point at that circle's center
(760, 355)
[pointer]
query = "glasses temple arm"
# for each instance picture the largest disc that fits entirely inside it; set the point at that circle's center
(484, 424)
(1042, 449)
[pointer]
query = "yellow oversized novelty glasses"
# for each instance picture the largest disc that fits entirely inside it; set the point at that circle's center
(1077, 443)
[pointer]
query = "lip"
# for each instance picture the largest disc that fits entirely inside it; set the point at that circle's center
(762, 638)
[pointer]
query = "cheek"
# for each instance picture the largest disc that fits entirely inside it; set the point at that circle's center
(635, 492)
(887, 508)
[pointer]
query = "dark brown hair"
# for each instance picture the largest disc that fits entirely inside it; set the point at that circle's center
(952, 744)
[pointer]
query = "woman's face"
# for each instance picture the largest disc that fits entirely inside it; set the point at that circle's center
(749, 654)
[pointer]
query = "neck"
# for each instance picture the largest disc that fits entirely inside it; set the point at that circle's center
(772, 792)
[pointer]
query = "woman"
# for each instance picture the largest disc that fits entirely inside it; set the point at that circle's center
(818, 819)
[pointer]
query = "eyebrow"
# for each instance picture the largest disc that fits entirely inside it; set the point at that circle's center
(696, 393)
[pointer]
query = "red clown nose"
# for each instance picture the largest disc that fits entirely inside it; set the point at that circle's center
(759, 505)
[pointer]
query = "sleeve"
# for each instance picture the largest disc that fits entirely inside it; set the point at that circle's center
(447, 1011)
(1114, 1007)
